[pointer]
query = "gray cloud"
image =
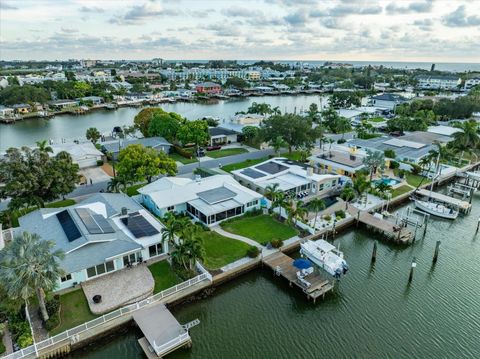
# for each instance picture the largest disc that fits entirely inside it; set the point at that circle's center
(459, 18)
(239, 12)
(139, 14)
(91, 9)
(413, 7)
(298, 18)
(68, 30)
(424, 24)
(6, 6)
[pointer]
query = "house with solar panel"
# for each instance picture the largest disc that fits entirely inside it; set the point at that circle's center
(293, 178)
(209, 200)
(102, 234)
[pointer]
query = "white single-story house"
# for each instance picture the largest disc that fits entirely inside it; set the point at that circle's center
(209, 200)
(222, 136)
(103, 234)
(61, 104)
(345, 163)
(292, 178)
(114, 146)
(248, 119)
(6, 111)
(83, 154)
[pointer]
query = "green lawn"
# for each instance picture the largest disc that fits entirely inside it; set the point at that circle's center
(415, 180)
(225, 152)
(181, 159)
(294, 156)
(220, 250)
(133, 190)
(401, 190)
(376, 119)
(240, 165)
(163, 275)
(74, 311)
(63, 203)
(262, 229)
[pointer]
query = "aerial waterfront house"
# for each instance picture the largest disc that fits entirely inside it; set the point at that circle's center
(345, 163)
(6, 111)
(222, 136)
(95, 100)
(387, 100)
(22, 108)
(63, 104)
(209, 200)
(438, 82)
(208, 88)
(248, 119)
(293, 178)
(102, 234)
(471, 83)
(115, 146)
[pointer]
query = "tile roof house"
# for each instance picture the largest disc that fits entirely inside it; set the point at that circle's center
(104, 233)
(208, 200)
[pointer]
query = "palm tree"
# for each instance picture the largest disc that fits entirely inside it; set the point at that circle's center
(116, 184)
(277, 144)
(44, 147)
(172, 226)
(343, 125)
(271, 191)
(383, 188)
(347, 195)
(316, 205)
(360, 184)
(468, 139)
(373, 161)
(29, 266)
(280, 202)
(190, 248)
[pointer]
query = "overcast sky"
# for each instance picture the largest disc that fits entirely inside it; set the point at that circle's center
(401, 30)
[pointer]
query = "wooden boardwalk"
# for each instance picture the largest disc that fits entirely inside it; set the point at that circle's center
(282, 265)
(389, 229)
(463, 206)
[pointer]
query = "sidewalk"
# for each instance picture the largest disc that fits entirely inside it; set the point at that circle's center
(249, 241)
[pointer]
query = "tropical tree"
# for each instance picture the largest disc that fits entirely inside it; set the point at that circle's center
(343, 125)
(360, 184)
(116, 184)
(313, 113)
(29, 266)
(190, 247)
(165, 125)
(44, 147)
(316, 205)
(348, 194)
(468, 139)
(280, 202)
(137, 163)
(272, 191)
(195, 132)
(383, 188)
(373, 161)
(93, 135)
(172, 227)
(277, 144)
(143, 118)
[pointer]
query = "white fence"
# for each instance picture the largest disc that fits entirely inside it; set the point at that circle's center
(73, 334)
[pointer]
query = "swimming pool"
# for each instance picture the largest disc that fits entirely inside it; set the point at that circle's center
(387, 181)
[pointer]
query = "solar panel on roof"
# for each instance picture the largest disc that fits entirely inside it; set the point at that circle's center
(138, 225)
(272, 167)
(95, 223)
(103, 223)
(68, 225)
(252, 173)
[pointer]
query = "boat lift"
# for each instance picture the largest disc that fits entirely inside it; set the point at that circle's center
(414, 218)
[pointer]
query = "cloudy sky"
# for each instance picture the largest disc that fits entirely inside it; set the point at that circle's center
(383, 30)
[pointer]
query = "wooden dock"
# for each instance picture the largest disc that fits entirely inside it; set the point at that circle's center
(463, 206)
(282, 265)
(397, 232)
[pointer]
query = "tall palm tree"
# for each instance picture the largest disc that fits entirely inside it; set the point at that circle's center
(172, 226)
(360, 184)
(373, 161)
(347, 195)
(280, 202)
(343, 125)
(44, 147)
(190, 248)
(271, 191)
(29, 266)
(468, 139)
(383, 189)
(316, 205)
(277, 144)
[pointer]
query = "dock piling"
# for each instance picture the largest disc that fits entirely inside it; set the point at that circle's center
(435, 256)
(412, 268)
(374, 252)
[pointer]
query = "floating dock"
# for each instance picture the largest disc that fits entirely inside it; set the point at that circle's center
(463, 206)
(163, 333)
(282, 265)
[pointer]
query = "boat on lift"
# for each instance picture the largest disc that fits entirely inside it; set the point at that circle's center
(325, 256)
(436, 209)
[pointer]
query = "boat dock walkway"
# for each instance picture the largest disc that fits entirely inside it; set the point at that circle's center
(282, 265)
(163, 333)
(463, 206)
(397, 232)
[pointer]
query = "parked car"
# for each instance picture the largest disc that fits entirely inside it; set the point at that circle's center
(213, 148)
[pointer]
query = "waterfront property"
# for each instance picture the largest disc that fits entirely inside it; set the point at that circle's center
(248, 119)
(100, 235)
(222, 136)
(439, 82)
(208, 88)
(387, 100)
(83, 154)
(340, 162)
(294, 178)
(209, 200)
(115, 146)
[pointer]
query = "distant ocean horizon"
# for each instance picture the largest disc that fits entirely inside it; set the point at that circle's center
(440, 66)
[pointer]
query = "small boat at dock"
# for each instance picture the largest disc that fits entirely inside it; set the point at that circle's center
(436, 209)
(326, 256)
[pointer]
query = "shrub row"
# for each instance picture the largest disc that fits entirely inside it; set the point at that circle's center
(182, 152)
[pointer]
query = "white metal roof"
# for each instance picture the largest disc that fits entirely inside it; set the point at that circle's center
(404, 143)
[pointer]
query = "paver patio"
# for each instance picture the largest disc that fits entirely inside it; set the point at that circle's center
(119, 288)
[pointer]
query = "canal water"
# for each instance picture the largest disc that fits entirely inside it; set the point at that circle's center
(69, 126)
(374, 312)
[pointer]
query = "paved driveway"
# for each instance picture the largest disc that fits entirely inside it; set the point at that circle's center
(96, 174)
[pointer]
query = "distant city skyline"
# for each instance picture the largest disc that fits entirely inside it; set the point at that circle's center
(304, 30)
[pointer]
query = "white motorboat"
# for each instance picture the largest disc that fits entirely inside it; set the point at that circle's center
(436, 209)
(326, 256)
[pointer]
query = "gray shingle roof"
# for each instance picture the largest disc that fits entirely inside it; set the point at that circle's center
(216, 131)
(113, 146)
(90, 249)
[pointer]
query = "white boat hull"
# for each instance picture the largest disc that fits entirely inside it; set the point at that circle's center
(329, 261)
(436, 210)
